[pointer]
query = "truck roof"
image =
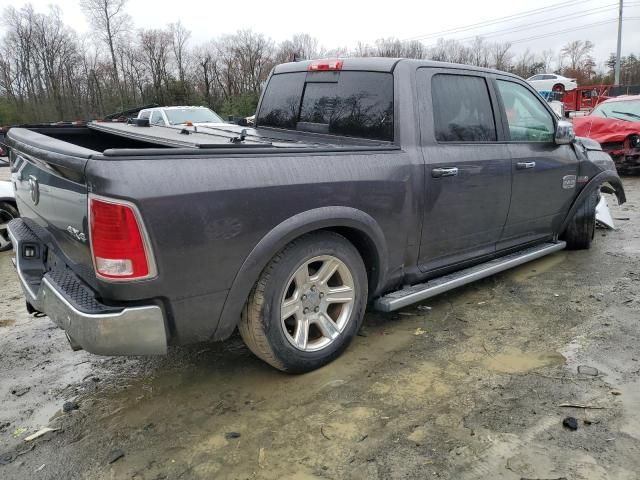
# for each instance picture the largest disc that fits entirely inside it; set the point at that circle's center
(382, 64)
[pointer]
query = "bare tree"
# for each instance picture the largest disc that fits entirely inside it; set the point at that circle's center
(480, 52)
(179, 38)
(109, 20)
(577, 52)
(501, 57)
(301, 46)
(389, 47)
(154, 46)
(581, 63)
(546, 58)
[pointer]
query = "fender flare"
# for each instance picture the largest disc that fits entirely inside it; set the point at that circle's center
(594, 184)
(281, 235)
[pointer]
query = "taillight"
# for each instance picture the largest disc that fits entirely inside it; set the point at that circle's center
(118, 244)
(324, 65)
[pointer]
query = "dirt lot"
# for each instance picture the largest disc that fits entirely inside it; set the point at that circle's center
(472, 388)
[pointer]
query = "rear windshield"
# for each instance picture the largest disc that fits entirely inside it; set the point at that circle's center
(355, 104)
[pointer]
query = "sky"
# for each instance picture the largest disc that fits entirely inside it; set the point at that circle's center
(338, 23)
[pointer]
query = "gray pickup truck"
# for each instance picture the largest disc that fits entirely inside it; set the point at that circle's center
(366, 182)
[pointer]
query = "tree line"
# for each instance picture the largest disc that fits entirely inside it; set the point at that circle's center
(48, 72)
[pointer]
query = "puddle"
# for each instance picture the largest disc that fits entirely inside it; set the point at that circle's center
(241, 383)
(535, 268)
(513, 360)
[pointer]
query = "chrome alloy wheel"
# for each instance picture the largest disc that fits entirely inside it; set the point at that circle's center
(317, 303)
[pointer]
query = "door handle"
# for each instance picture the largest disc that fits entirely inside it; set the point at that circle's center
(525, 165)
(444, 172)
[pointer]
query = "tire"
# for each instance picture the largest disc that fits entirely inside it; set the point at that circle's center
(558, 87)
(287, 343)
(7, 213)
(581, 230)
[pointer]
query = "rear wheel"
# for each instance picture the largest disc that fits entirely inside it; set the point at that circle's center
(7, 213)
(581, 230)
(308, 303)
(558, 87)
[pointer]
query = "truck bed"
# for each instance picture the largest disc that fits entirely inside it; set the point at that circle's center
(114, 139)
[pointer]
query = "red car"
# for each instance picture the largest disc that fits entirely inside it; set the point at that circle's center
(615, 124)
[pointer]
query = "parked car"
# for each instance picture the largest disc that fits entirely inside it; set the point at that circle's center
(615, 124)
(553, 82)
(180, 116)
(8, 211)
(366, 181)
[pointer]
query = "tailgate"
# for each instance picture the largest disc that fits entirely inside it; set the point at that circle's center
(51, 193)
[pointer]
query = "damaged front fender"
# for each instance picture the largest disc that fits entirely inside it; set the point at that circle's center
(596, 172)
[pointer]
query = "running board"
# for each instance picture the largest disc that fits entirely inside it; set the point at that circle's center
(416, 293)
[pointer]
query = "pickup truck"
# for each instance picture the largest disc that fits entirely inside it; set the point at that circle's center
(177, 116)
(366, 182)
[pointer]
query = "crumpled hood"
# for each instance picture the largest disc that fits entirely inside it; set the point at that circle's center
(603, 129)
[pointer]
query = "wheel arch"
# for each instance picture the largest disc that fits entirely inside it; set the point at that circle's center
(595, 184)
(355, 225)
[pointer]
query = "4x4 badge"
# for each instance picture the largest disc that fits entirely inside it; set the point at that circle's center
(77, 234)
(569, 181)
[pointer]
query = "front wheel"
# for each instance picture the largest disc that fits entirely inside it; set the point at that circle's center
(7, 213)
(308, 303)
(582, 227)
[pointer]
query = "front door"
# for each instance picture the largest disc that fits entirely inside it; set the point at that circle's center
(544, 174)
(468, 177)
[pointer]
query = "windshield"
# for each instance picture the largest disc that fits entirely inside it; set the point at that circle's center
(621, 110)
(178, 116)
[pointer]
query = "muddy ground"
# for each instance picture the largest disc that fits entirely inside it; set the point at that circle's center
(471, 388)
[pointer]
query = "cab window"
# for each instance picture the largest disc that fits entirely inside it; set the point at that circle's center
(462, 109)
(156, 118)
(349, 103)
(528, 120)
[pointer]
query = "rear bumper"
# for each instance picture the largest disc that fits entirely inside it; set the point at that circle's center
(70, 304)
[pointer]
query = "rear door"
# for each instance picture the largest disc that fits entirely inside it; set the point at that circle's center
(544, 174)
(468, 178)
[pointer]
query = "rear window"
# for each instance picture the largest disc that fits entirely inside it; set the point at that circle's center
(356, 104)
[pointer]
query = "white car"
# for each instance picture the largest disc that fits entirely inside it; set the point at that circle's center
(178, 117)
(8, 211)
(552, 82)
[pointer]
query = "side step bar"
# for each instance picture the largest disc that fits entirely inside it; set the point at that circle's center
(416, 293)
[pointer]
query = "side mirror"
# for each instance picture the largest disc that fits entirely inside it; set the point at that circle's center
(564, 133)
